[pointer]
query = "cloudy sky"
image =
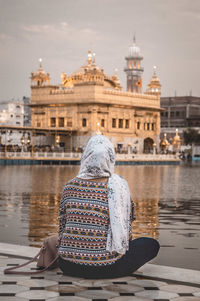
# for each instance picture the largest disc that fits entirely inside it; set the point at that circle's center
(61, 32)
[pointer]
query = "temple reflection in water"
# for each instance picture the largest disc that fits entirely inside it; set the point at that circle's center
(44, 201)
(43, 214)
(43, 217)
(146, 205)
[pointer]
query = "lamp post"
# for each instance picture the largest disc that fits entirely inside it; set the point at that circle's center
(29, 139)
(98, 132)
(57, 140)
(25, 141)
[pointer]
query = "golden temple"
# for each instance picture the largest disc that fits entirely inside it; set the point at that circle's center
(89, 101)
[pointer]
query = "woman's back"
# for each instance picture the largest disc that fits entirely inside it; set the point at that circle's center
(95, 220)
(84, 221)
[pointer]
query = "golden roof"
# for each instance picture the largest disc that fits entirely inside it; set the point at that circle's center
(90, 74)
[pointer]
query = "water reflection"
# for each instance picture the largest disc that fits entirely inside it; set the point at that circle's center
(46, 187)
(147, 222)
(43, 217)
(166, 202)
(146, 207)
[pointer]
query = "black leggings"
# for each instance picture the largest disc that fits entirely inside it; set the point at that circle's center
(141, 250)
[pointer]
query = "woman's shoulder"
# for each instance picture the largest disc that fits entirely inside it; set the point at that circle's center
(86, 182)
(78, 183)
(70, 183)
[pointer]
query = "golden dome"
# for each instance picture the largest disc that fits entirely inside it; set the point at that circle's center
(176, 139)
(40, 78)
(165, 142)
(154, 87)
(90, 74)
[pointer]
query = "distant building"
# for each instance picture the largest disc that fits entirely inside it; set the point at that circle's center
(14, 113)
(181, 112)
(27, 111)
(88, 101)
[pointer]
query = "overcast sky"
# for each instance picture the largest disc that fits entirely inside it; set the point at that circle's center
(61, 32)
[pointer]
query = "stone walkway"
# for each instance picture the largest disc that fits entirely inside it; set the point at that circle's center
(151, 282)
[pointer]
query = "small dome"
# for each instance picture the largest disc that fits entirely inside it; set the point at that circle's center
(40, 78)
(40, 72)
(134, 50)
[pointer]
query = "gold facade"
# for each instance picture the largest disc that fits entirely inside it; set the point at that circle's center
(88, 102)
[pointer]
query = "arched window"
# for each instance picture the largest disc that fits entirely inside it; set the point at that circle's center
(84, 122)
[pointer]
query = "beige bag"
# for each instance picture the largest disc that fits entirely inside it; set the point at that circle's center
(47, 258)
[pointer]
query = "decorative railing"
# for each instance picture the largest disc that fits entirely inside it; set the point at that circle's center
(77, 156)
(146, 157)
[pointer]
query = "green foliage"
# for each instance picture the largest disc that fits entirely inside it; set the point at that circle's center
(191, 136)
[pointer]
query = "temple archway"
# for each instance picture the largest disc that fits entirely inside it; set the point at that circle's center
(148, 145)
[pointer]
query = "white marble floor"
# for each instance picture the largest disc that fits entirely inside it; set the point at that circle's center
(151, 282)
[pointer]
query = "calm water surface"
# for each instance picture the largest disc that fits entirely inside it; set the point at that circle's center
(167, 204)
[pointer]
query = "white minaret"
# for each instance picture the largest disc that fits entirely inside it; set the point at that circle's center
(133, 69)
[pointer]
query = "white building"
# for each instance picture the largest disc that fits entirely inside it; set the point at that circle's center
(14, 113)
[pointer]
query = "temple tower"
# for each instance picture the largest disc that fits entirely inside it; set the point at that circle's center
(154, 87)
(133, 69)
(40, 78)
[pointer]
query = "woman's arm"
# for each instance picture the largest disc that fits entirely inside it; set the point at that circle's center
(132, 211)
(132, 218)
(62, 215)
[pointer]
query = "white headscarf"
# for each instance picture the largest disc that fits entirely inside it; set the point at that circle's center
(98, 160)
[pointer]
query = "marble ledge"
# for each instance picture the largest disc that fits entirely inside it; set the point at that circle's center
(18, 250)
(170, 273)
(149, 270)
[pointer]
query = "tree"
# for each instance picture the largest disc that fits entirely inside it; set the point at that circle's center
(191, 136)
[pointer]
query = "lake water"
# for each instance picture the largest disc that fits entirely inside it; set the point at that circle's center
(167, 206)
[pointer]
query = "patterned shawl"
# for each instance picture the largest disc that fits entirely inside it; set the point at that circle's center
(98, 160)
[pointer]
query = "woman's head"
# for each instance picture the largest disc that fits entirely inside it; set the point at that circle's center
(98, 158)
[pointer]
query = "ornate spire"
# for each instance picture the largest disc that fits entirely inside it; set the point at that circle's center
(116, 79)
(89, 57)
(40, 61)
(93, 60)
(154, 86)
(40, 78)
(176, 141)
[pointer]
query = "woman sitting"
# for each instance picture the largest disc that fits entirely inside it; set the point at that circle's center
(95, 220)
